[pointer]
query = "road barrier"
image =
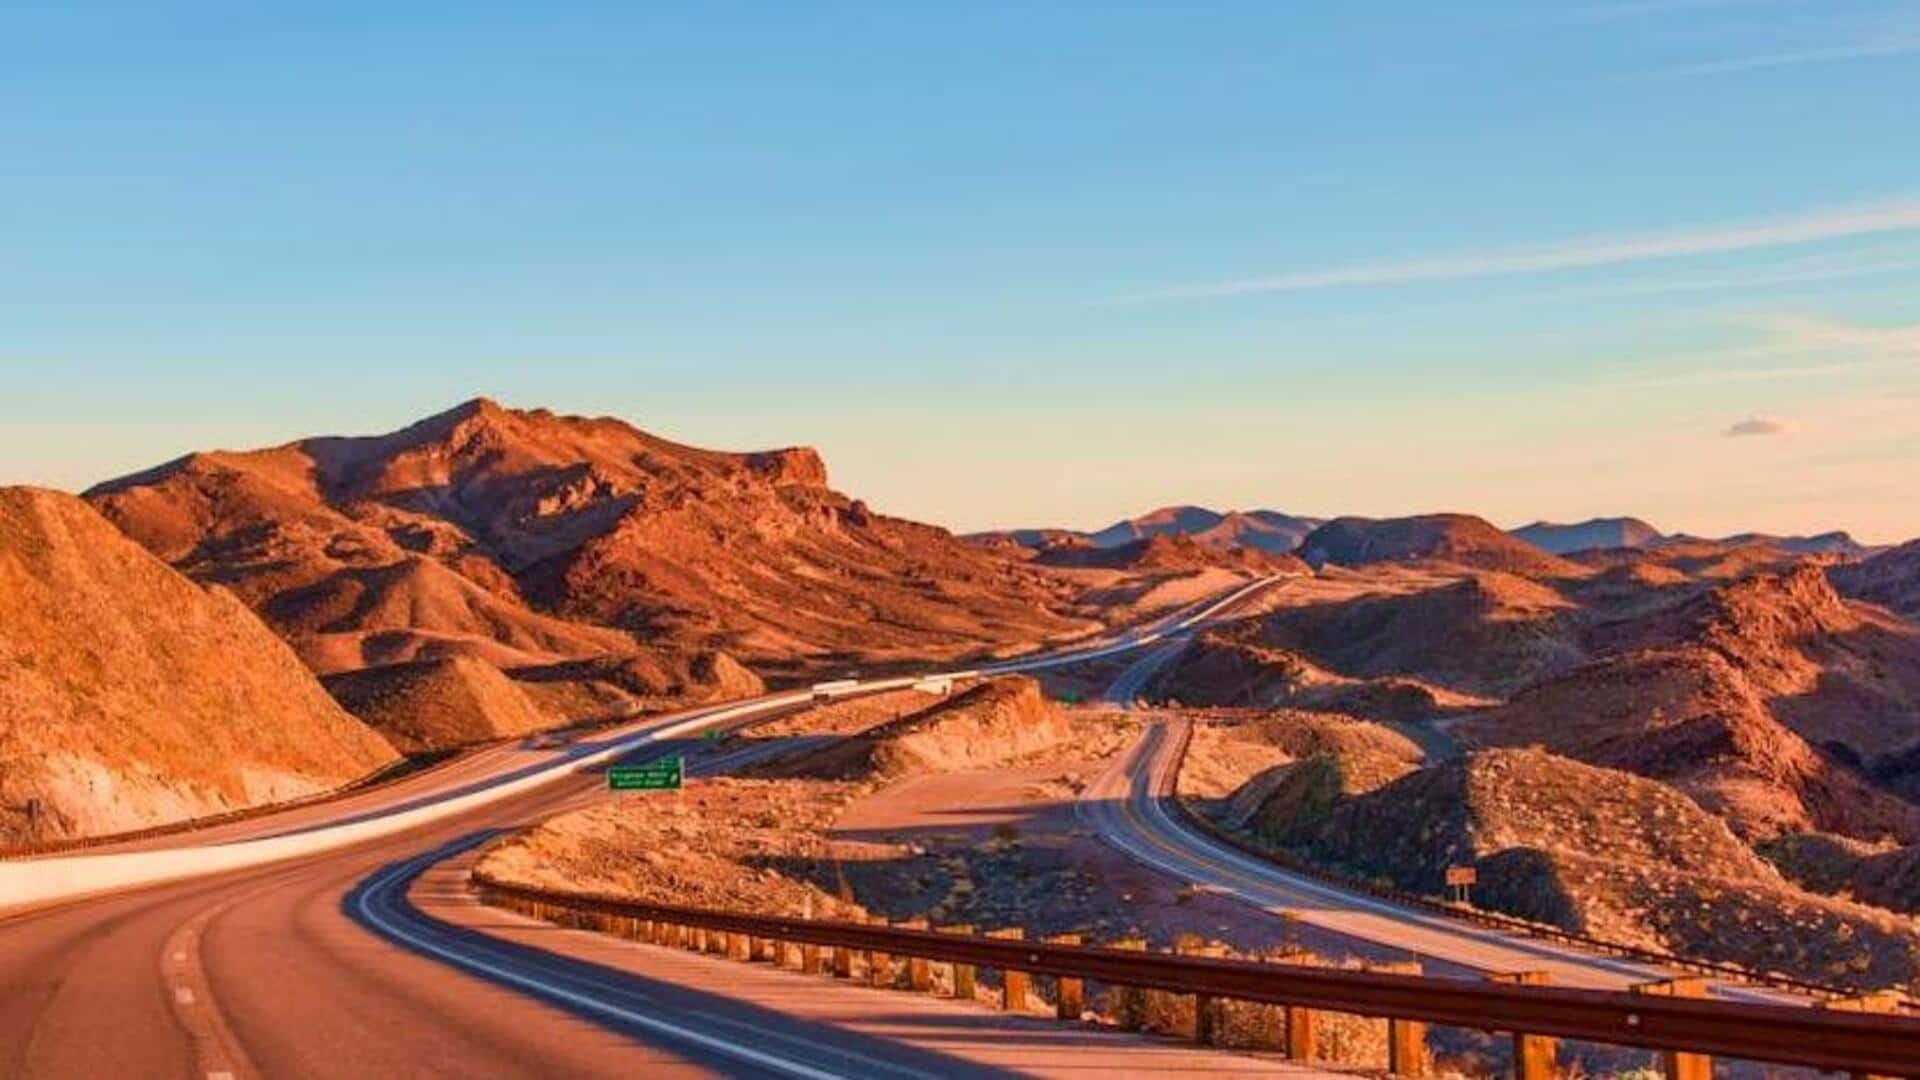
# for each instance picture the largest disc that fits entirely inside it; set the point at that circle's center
(1495, 920)
(1840, 1036)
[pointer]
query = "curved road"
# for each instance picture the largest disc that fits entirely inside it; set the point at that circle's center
(290, 968)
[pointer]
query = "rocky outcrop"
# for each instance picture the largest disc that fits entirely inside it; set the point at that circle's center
(438, 704)
(1461, 539)
(522, 537)
(130, 697)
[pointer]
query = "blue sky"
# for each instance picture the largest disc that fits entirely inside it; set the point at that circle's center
(1004, 265)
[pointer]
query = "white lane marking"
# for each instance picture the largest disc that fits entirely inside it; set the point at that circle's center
(710, 1042)
(220, 1074)
(183, 995)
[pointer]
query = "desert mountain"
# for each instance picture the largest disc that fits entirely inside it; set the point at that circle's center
(1263, 530)
(525, 538)
(1629, 532)
(1616, 532)
(1166, 551)
(438, 704)
(1826, 543)
(1890, 579)
(1461, 539)
(1608, 853)
(1689, 717)
(1485, 633)
(129, 696)
(1267, 530)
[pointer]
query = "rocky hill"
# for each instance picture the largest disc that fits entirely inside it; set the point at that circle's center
(1844, 676)
(132, 697)
(1881, 875)
(1686, 715)
(438, 704)
(1483, 633)
(1262, 530)
(524, 537)
(1461, 539)
(994, 722)
(1175, 552)
(1595, 533)
(1608, 853)
(1890, 579)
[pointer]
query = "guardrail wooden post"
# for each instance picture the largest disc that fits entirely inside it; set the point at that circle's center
(1533, 1055)
(1677, 1065)
(1129, 1002)
(879, 964)
(965, 986)
(810, 959)
(1070, 995)
(919, 970)
(739, 947)
(842, 962)
(1879, 1001)
(1206, 1008)
(1014, 983)
(1406, 1039)
(1302, 1040)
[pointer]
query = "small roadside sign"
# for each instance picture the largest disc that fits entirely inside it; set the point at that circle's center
(664, 774)
(1460, 882)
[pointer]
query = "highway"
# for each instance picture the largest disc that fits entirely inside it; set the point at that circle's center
(1128, 806)
(314, 951)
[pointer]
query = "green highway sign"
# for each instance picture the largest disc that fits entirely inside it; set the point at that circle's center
(662, 775)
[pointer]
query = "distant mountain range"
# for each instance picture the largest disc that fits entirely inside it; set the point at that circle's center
(1280, 533)
(1629, 532)
(1264, 530)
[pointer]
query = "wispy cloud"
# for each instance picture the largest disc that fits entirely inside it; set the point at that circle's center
(1864, 50)
(1603, 251)
(1847, 350)
(1894, 342)
(1764, 278)
(1761, 426)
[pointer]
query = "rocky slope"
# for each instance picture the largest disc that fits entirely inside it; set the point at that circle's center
(1261, 530)
(1843, 676)
(1688, 716)
(1482, 633)
(1607, 853)
(438, 704)
(130, 696)
(1890, 579)
(1167, 553)
(1884, 876)
(1617, 532)
(997, 721)
(525, 537)
(1452, 538)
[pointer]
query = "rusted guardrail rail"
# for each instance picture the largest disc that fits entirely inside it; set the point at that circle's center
(1688, 1031)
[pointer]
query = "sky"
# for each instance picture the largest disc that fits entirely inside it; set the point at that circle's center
(1005, 265)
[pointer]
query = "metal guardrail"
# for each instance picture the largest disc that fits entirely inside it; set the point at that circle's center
(1496, 920)
(1834, 1038)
